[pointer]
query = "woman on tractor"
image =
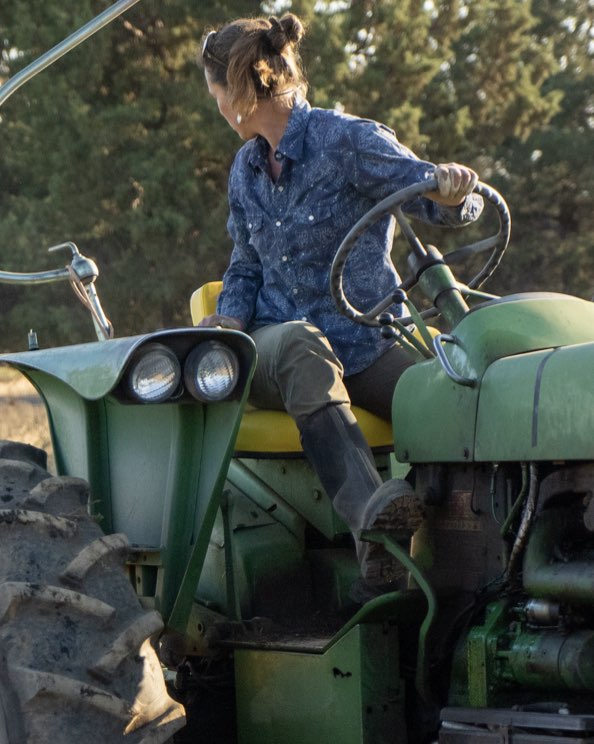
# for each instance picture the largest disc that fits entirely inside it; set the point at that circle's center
(303, 177)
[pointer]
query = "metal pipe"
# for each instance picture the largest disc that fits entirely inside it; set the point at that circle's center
(513, 512)
(523, 530)
(82, 273)
(72, 41)
(37, 277)
(543, 576)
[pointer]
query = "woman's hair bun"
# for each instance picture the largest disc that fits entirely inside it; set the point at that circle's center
(287, 30)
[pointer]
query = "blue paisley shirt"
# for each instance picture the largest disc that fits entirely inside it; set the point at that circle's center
(335, 167)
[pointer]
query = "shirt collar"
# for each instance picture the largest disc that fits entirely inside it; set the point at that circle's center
(291, 144)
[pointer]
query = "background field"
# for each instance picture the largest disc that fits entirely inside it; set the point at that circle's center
(22, 414)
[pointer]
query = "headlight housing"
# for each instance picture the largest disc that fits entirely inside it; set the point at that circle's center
(211, 371)
(154, 374)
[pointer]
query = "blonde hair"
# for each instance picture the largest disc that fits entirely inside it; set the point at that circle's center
(255, 58)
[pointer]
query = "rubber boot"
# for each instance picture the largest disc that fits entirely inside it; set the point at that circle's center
(337, 450)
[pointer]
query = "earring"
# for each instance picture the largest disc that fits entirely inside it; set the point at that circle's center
(239, 118)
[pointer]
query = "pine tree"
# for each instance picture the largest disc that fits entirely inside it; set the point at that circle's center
(552, 183)
(119, 147)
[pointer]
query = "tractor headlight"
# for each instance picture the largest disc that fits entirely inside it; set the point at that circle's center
(154, 374)
(211, 371)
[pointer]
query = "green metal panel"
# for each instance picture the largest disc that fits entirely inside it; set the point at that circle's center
(250, 478)
(251, 560)
(518, 323)
(257, 554)
(474, 681)
(538, 406)
(295, 489)
(350, 694)
(92, 370)
(77, 428)
(433, 417)
(482, 648)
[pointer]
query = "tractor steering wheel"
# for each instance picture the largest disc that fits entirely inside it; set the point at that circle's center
(392, 205)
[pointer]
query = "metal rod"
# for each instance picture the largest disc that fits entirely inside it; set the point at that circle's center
(37, 277)
(54, 54)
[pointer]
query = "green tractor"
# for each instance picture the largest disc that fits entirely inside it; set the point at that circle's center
(186, 537)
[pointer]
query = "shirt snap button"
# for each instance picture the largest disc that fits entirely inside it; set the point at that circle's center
(278, 155)
(278, 223)
(285, 258)
(311, 218)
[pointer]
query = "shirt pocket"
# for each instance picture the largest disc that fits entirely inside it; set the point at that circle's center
(313, 215)
(314, 236)
(254, 224)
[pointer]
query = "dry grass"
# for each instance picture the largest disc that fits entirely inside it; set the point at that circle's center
(22, 413)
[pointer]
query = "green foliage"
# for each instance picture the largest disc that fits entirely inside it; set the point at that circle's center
(119, 148)
(551, 173)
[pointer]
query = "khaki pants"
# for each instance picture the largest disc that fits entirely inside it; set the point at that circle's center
(297, 371)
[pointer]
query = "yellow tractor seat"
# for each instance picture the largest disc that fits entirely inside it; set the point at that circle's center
(203, 301)
(274, 432)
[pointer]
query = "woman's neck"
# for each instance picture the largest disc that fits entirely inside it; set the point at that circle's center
(271, 123)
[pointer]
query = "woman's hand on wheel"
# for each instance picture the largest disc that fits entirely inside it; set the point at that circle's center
(454, 183)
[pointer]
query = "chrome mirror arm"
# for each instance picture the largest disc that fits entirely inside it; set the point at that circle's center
(54, 54)
(81, 272)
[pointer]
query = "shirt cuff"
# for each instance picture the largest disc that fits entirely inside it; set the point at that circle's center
(469, 211)
(232, 309)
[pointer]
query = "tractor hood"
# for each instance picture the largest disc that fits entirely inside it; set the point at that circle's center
(538, 406)
(516, 324)
(528, 364)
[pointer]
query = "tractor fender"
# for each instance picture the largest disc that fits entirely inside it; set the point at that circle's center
(92, 370)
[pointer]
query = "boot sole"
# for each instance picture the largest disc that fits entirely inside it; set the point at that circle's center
(398, 511)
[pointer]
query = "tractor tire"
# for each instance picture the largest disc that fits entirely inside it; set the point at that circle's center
(76, 660)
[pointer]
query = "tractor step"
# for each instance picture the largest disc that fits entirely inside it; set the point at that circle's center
(265, 635)
(306, 644)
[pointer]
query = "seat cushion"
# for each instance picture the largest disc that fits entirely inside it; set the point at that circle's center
(274, 432)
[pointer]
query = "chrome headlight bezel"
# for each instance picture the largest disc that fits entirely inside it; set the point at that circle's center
(153, 374)
(211, 372)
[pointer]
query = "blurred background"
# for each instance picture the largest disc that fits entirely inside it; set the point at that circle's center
(118, 147)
